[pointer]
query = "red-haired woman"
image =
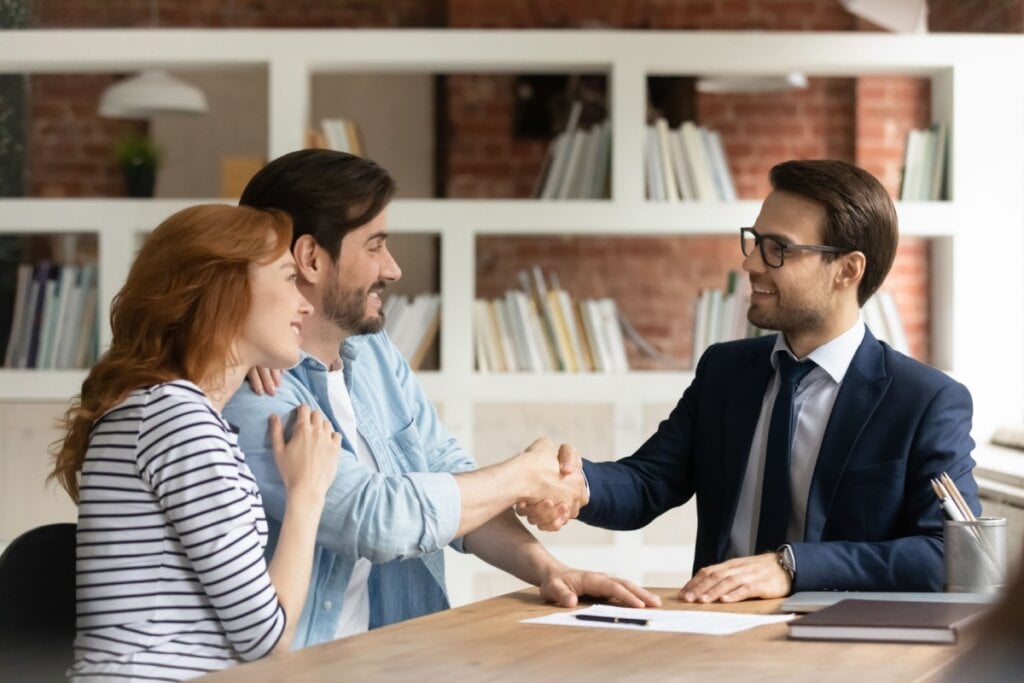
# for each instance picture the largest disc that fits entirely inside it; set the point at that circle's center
(171, 576)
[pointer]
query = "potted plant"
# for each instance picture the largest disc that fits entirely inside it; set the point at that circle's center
(139, 157)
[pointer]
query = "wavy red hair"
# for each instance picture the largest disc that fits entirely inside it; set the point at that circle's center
(177, 316)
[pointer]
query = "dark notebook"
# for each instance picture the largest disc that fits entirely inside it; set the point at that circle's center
(887, 620)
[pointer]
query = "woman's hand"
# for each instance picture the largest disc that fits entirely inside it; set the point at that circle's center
(309, 460)
(263, 380)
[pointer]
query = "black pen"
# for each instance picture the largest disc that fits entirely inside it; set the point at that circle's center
(612, 620)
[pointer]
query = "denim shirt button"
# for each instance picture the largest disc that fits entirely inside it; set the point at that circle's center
(328, 604)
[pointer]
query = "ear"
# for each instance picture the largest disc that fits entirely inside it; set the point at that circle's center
(310, 259)
(851, 270)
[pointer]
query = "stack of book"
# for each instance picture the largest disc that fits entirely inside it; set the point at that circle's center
(539, 328)
(924, 164)
(686, 164)
(412, 324)
(53, 319)
(577, 162)
(722, 315)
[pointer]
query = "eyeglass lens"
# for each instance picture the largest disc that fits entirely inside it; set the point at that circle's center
(771, 250)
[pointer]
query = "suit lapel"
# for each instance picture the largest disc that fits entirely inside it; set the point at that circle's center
(742, 410)
(863, 387)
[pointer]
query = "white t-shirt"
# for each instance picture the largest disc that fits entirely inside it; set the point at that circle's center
(355, 609)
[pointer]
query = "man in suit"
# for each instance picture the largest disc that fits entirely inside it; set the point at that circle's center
(808, 475)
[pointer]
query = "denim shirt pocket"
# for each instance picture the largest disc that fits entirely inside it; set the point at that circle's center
(405, 445)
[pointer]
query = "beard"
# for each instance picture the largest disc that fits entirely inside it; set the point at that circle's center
(786, 320)
(806, 311)
(346, 308)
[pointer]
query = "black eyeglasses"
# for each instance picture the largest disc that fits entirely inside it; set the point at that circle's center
(773, 250)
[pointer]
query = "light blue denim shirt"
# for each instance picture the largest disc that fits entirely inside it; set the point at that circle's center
(399, 518)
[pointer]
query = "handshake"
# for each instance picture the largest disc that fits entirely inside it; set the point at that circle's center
(554, 484)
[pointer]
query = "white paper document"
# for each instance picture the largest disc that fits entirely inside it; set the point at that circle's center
(675, 621)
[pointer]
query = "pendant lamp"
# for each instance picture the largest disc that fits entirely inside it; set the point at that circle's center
(148, 94)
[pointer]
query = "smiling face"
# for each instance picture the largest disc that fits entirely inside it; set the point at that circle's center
(799, 299)
(272, 332)
(352, 296)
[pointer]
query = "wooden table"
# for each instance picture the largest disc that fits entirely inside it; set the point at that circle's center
(484, 641)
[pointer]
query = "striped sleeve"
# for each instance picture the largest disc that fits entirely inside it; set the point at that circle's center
(192, 465)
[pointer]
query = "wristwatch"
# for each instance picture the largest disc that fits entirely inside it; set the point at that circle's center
(787, 560)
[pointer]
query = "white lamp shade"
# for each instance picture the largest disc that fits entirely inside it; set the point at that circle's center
(765, 83)
(899, 16)
(151, 93)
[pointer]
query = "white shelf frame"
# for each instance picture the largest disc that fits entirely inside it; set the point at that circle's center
(976, 89)
(978, 237)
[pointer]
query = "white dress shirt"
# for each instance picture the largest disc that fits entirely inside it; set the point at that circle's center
(812, 406)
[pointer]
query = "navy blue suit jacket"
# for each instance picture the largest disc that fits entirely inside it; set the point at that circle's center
(873, 521)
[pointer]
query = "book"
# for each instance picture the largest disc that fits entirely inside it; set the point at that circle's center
(812, 601)
(680, 168)
(938, 179)
(887, 621)
(700, 165)
(560, 154)
(719, 166)
(19, 317)
(665, 160)
(569, 185)
(37, 314)
(599, 182)
(655, 176)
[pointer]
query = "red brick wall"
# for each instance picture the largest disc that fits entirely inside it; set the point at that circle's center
(70, 148)
(735, 15)
(887, 108)
(484, 159)
(759, 131)
(238, 13)
(976, 16)
(908, 281)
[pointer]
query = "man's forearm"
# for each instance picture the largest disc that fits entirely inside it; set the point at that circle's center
(486, 493)
(534, 474)
(505, 543)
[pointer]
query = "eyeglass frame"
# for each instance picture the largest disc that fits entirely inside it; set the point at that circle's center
(783, 246)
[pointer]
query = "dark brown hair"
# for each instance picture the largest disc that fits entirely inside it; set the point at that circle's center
(859, 215)
(326, 193)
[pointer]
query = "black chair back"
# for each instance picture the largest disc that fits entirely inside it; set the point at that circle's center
(37, 604)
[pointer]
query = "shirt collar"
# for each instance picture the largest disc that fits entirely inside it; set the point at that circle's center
(348, 352)
(833, 357)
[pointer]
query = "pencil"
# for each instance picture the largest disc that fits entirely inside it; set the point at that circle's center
(955, 494)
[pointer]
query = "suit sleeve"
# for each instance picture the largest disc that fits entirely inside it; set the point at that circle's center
(912, 559)
(631, 492)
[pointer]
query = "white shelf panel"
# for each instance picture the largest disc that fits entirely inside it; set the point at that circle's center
(630, 387)
(658, 52)
(483, 216)
(571, 217)
(31, 215)
(646, 386)
(40, 385)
